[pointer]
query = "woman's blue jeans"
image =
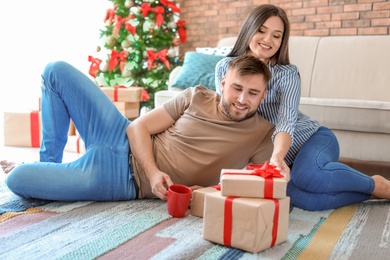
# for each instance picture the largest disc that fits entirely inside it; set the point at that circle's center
(320, 182)
(103, 172)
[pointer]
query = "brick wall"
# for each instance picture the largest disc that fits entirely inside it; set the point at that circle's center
(208, 21)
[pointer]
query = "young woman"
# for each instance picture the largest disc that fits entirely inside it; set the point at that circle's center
(318, 180)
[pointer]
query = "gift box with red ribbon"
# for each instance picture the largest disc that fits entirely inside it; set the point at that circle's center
(197, 199)
(127, 99)
(22, 128)
(250, 224)
(257, 181)
(124, 94)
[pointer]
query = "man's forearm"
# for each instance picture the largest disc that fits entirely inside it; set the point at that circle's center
(141, 146)
(140, 133)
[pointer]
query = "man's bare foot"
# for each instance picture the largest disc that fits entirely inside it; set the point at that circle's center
(7, 166)
(382, 187)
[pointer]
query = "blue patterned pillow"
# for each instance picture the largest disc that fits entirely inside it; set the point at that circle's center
(197, 69)
(222, 51)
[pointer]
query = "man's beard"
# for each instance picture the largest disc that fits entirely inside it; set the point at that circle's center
(229, 115)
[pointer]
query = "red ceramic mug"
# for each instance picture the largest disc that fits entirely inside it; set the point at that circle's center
(179, 197)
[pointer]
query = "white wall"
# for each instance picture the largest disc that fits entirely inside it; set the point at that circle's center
(35, 32)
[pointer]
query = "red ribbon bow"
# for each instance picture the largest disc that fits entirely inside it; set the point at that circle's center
(162, 55)
(145, 9)
(131, 29)
(110, 14)
(94, 68)
(145, 95)
(181, 29)
(118, 24)
(268, 172)
(264, 170)
(159, 15)
(171, 5)
(115, 58)
(158, 10)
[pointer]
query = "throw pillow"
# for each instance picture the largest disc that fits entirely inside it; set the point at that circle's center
(197, 69)
(222, 51)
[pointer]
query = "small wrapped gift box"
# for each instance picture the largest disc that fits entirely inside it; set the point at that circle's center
(249, 224)
(22, 128)
(126, 99)
(197, 199)
(75, 144)
(257, 181)
(124, 94)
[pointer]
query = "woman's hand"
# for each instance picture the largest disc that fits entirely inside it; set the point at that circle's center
(282, 144)
(282, 167)
(159, 183)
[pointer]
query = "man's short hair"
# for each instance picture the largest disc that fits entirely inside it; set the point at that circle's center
(249, 65)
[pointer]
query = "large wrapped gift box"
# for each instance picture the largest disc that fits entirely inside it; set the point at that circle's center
(197, 199)
(22, 128)
(250, 224)
(257, 181)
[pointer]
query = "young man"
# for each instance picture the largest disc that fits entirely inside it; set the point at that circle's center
(188, 140)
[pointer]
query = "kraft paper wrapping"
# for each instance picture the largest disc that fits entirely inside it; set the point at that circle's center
(75, 144)
(245, 185)
(22, 128)
(197, 200)
(125, 94)
(129, 110)
(252, 222)
(72, 128)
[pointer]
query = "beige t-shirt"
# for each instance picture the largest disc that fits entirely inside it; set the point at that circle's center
(203, 141)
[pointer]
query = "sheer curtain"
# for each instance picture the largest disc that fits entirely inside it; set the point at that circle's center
(34, 33)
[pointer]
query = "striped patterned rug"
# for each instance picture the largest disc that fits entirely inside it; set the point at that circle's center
(36, 229)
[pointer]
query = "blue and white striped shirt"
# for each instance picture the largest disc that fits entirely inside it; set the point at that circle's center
(281, 105)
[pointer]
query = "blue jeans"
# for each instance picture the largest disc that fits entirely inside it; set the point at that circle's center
(320, 182)
(103, 172)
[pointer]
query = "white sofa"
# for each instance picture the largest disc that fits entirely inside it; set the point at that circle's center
(345, 86)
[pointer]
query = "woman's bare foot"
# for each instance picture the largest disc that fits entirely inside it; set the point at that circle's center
(382, 187)
(7, 166)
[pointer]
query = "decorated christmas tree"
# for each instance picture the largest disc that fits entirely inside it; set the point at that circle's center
(139, 46)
